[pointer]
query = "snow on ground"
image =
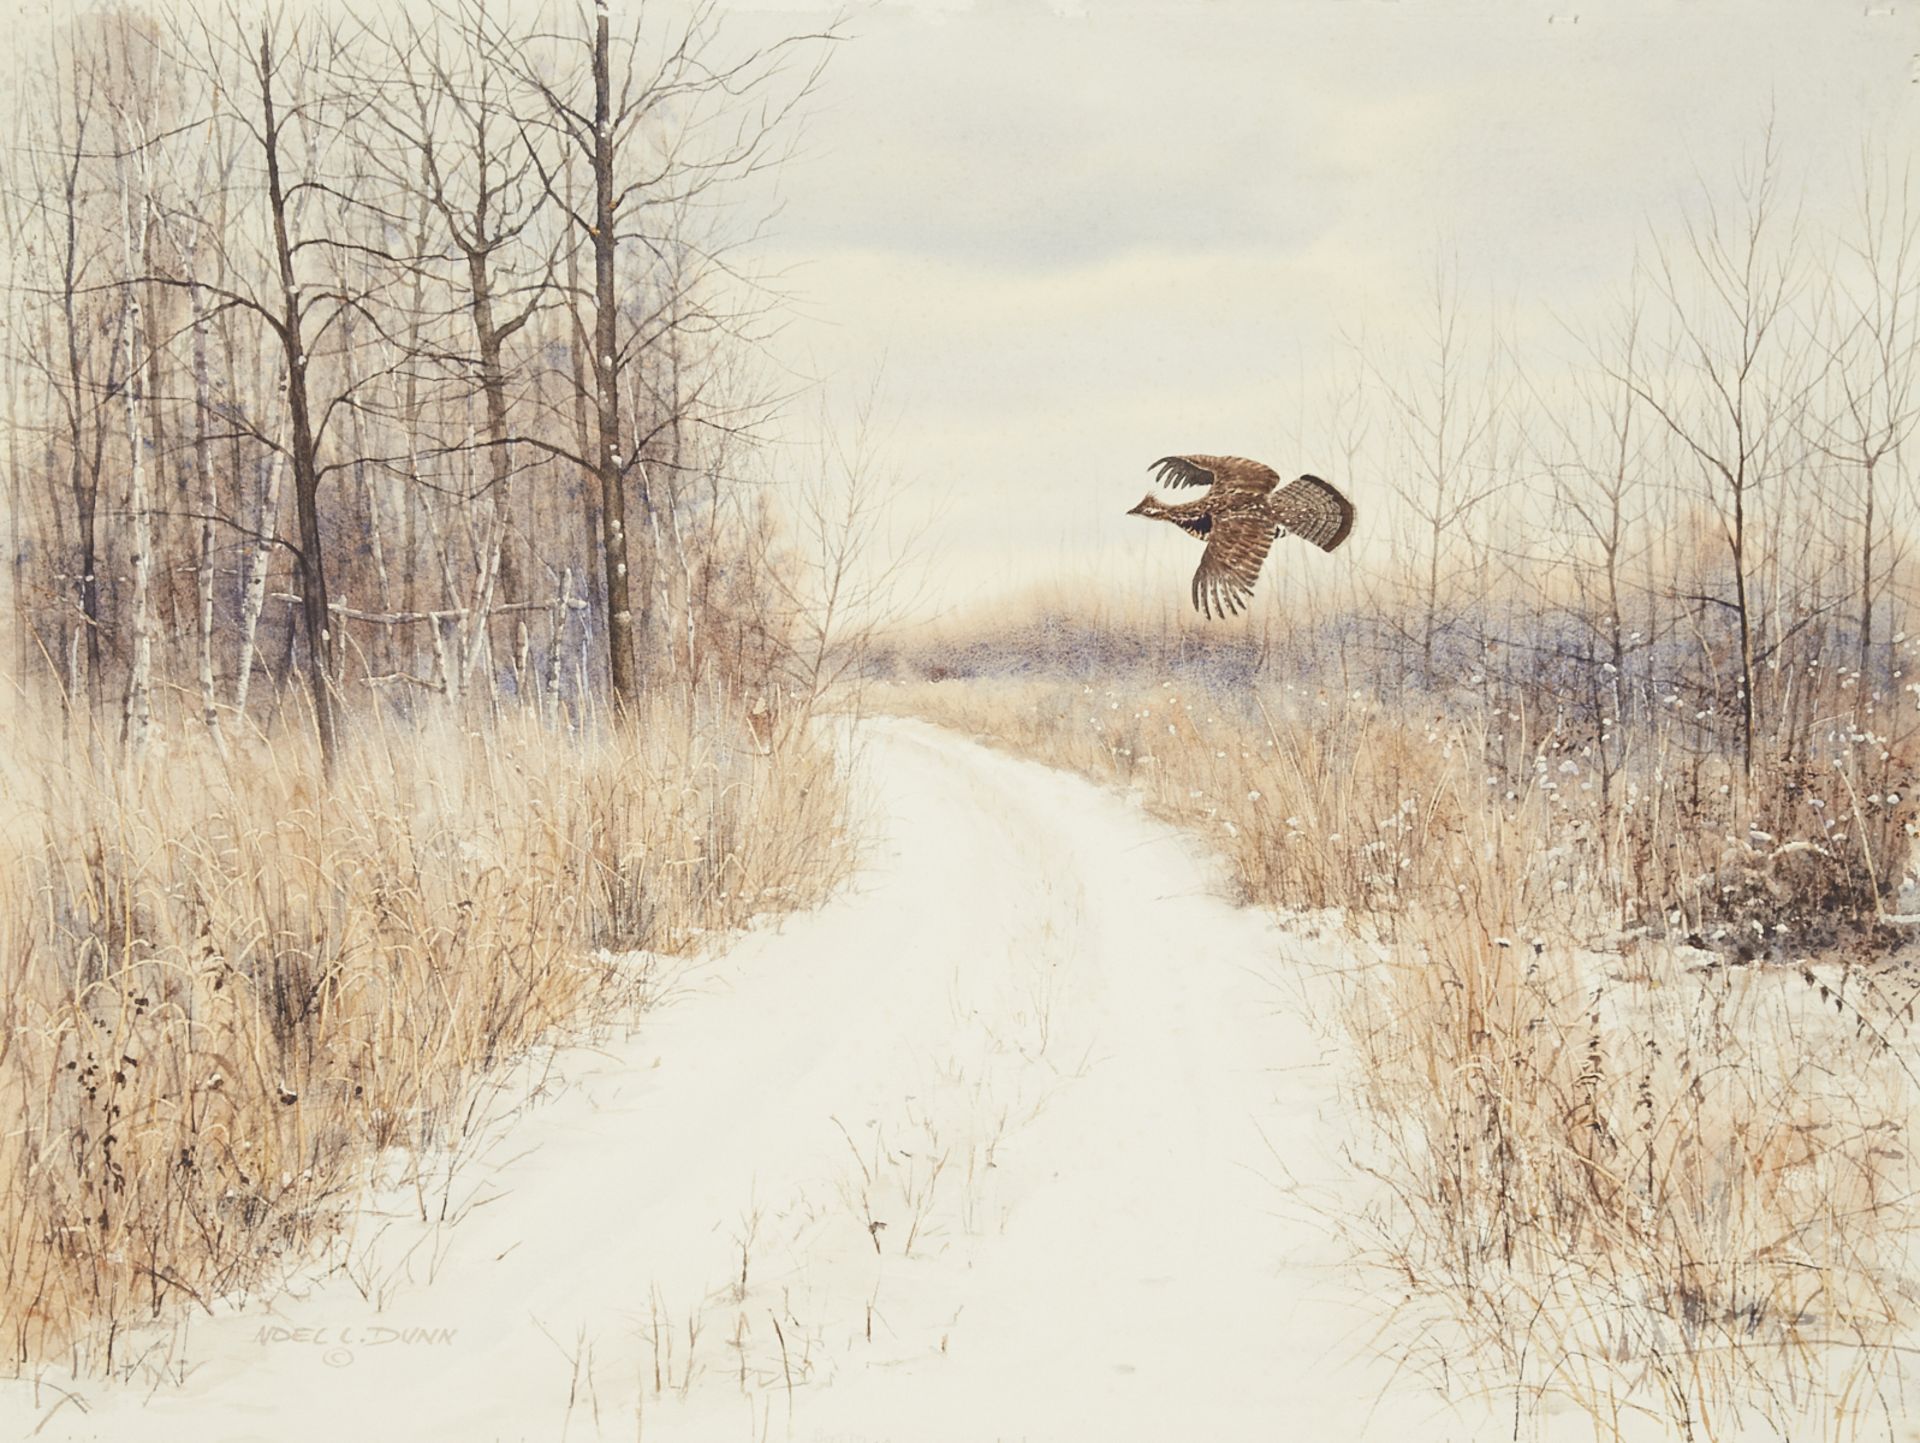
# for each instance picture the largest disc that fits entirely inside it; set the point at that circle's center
(1027, 1135)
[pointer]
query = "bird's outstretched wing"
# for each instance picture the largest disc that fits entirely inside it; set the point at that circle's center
(1236, 549)
(1312, 509)
(1227, 475)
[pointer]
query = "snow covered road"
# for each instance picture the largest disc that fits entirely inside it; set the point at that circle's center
(1027, 1135)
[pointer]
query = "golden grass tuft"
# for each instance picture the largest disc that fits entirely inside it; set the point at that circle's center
(1647, 1185)
(230, 987)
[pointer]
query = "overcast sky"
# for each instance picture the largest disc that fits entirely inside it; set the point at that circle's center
(1069, 239)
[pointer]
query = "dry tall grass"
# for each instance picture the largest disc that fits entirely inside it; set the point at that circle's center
(229, 987)
(1640, 1170)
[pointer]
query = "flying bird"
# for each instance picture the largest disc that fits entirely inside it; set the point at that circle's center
(1240, 518)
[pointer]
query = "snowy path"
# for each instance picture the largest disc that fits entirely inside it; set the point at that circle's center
(1030, 1043)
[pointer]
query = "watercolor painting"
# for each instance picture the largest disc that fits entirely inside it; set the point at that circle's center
(619, 820)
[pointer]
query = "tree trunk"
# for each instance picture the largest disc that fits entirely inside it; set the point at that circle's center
(1744, 618)
(85, 488)
(209, 507)
(1866, 584)
(606, 374)
(310, 559)
(593, 577)
(495, 569)
(138, 719)
(255, 598)
(155, 416)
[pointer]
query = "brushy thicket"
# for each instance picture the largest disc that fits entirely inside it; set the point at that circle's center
(1637, 1043)
(230, 987)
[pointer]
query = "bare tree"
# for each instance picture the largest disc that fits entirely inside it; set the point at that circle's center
(1599, 499)
(136, 199)
(80, 373)
(851, 570)
(212, 168)
(1732, 388)
(1449, 418)
(294, 120)
(1870, 395)
(456, 138)
(653, 133)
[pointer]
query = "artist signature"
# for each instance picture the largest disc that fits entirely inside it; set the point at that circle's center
(338, 1344)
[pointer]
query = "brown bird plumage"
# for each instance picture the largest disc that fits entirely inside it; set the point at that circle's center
(1240, 517)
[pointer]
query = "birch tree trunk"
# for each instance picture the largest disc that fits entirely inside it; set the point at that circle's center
(256, 593)
(138, 720)
(209, 509)
(606, 374)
